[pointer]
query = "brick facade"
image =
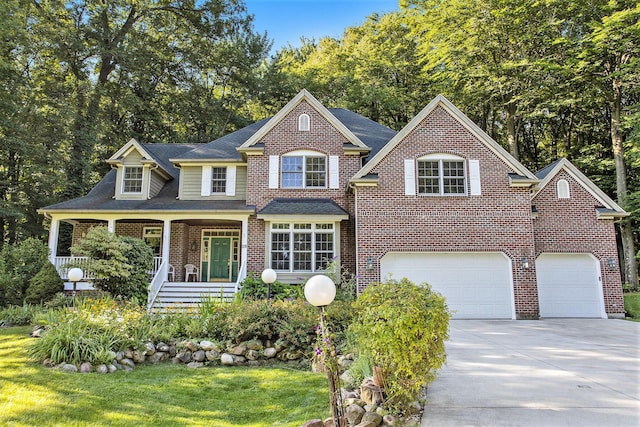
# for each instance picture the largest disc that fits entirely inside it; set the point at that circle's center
(560, 228)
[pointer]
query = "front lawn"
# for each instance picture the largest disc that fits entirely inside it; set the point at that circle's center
(153, 395)
(632, 305)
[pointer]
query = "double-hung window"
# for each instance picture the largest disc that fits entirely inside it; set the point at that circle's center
(132, 180)
(301, 247)
(304, 171)
(441, 176)
(218, 180)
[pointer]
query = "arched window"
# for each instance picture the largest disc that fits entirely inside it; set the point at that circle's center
(304, 122)
(441, 174)
(562, 188)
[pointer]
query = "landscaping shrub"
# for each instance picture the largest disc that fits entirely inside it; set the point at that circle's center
(252, 287)
(402, 327)
(18, 264)
(44, 286)
(18, 315)
(120, 264)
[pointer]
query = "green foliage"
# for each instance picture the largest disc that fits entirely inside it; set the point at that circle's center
(44, 286)
(120, 264)
(403, 328)
(254, 288)
(632, 305)
(19, 263)
(346, 282)
(17, 315)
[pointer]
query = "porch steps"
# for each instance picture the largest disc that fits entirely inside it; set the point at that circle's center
(185, 296)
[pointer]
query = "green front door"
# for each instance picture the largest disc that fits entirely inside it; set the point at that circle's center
(219, 257)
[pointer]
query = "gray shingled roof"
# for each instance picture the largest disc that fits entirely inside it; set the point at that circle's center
(542, 173)
(302, 207)
(373, 134)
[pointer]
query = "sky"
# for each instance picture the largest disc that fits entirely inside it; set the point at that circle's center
(287, 20)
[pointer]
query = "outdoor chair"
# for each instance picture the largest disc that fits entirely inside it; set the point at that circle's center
(190, 270)
(171, 273)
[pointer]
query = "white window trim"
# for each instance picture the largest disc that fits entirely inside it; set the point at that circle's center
(305, 154)
(124, 179)
(291, 230)
(562, 189)
(226, 183)
(440, 158)
(304, 122)
(206, 184)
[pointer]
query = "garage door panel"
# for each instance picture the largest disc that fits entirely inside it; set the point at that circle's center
(569, 286)
(476, 285)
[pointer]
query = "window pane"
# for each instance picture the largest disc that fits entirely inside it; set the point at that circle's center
(453, 177)
(302, 251)
(316, 172)
(324, 250)
(218, 180)
(428, 177)
(292, 172)
(280, 251)
(132, 180)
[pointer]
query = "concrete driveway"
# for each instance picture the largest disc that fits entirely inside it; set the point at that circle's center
(559, 372)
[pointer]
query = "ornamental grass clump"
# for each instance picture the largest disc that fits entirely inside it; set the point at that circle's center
(402, 327)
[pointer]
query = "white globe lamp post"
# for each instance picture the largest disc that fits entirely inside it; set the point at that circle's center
(75, 275)
(320, 291)
(269, 276)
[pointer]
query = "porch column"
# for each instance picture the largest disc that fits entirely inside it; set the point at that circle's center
(111, 225)
(243, 248)
(54, 231)
(166, 235)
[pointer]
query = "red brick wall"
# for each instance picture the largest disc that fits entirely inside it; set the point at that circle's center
(286, 137)
(499, 220)
(571, 226)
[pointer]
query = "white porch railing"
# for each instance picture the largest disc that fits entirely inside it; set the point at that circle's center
(156, 283)
(60, 262)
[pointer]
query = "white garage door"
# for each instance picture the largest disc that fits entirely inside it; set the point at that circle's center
(569, 286)
(477, 285)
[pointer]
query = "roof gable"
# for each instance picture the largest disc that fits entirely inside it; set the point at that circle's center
(147, 157)
(453, 111)
(303, 95)
(547, 174)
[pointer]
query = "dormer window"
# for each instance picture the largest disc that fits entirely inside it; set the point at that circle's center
(304, 122)
(132, 181)
(562, 188)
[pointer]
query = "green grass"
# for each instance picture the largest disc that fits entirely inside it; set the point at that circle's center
(153, 395)
(632, 305)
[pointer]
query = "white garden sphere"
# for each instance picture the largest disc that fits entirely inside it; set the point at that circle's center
(75, 274)
(269, 276)
(320, 290)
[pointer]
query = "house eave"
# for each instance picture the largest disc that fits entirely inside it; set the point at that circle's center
(306, 218)
(364, 182)
(518, 181)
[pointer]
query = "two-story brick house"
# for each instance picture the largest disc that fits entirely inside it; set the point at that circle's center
(438, 202)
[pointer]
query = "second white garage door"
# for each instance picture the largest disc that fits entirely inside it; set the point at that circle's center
(477, 285)
(569, 285)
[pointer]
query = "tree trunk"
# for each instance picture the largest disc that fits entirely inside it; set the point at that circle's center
(511, 130)
(630, 270)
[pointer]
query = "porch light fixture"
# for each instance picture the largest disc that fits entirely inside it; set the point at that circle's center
(194, 246)
(269, 276)
(525, 262)
(369, 264)
(75, 275)
(320, 291)
(611, 263)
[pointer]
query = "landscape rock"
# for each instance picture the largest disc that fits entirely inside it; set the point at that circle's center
(158, 357)
(128, 354)
(313, 423)
(252, 355)
(208, 346)
(119, 356)
(254, 345)
(69, 367)
(371, 418)
(389, 421)
(226, 359)
(127, 363)
(212, 355)
(86, 367)
(150, 348)
(190, 345)
(199, 356)
(111, 368)
(162, 347)
(184, 356)
(239, 350)
(102, 369)
(270, 352)
(354, 414)
(139, 356)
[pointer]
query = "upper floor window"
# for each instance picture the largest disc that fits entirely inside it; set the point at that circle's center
(562, 188)
(218, 180)
(441, 175)
(301, 247)
(132, 182)
(304, 171)
(304, 122)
